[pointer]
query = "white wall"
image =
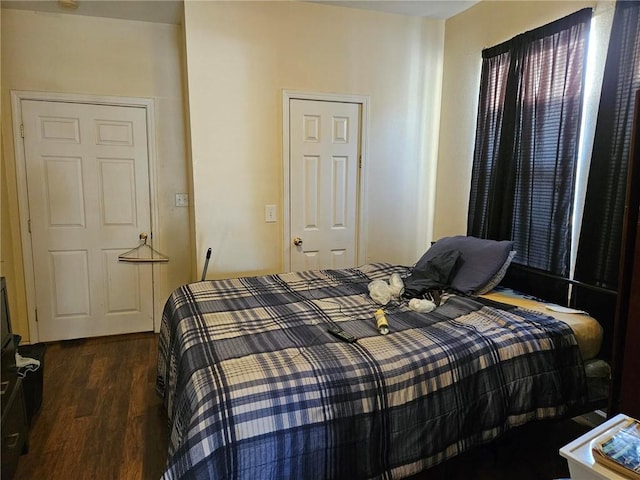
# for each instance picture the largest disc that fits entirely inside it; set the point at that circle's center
(241, 55)
(486, 24)
(89, 55)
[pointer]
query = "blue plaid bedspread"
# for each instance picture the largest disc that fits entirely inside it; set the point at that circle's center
(255, 387)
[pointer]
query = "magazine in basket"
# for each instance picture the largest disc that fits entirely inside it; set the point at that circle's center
(619, 449)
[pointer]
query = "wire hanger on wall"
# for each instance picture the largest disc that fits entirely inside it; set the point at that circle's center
(143, 253)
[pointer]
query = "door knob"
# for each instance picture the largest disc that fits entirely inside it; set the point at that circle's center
(297, 241)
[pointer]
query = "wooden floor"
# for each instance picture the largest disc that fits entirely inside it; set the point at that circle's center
(100, 416)
(101, 419)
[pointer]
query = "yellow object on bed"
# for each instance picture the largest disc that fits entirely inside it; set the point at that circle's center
(587, 330)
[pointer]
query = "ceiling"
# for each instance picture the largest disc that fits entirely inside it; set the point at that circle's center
(170, 11)
(442, 9)
(158, 11)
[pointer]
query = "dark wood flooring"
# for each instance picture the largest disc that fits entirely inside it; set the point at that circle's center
(101, 419)
(100, 416)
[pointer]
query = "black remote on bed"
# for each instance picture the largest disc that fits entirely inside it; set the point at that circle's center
(341, 334)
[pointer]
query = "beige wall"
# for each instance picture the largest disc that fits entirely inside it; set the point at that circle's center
(89, 55)
(484, 25)
(241, 55)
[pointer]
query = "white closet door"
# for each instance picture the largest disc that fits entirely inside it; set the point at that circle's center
(324, 151)
(88, 187)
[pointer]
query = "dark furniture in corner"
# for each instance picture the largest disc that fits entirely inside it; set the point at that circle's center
(14, 418)
(626, 361)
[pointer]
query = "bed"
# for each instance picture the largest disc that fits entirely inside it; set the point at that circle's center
(588, 331)
(255, 387)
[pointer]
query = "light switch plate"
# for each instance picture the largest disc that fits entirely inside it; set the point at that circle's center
(270, 214)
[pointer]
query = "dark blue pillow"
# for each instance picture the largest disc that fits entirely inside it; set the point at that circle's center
(479, 262)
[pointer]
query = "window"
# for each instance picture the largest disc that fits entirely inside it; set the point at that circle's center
(527, 139)
(600, 240)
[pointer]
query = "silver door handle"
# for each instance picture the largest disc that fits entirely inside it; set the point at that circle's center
(12, 440)
(297, 241)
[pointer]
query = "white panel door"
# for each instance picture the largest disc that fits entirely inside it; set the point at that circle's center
(88, 188)
(324, 150)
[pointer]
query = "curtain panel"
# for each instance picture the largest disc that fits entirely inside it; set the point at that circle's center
(598, 256)
(526, 143)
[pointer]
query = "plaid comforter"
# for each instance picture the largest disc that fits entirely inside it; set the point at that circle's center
(256, 388)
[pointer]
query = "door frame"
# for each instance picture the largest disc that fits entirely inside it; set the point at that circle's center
(23, 199)
(361, 206)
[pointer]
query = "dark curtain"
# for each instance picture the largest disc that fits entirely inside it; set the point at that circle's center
(601, 232)
(527, 142)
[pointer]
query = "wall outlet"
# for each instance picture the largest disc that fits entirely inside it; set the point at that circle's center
(270, 213)
(182, 199)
